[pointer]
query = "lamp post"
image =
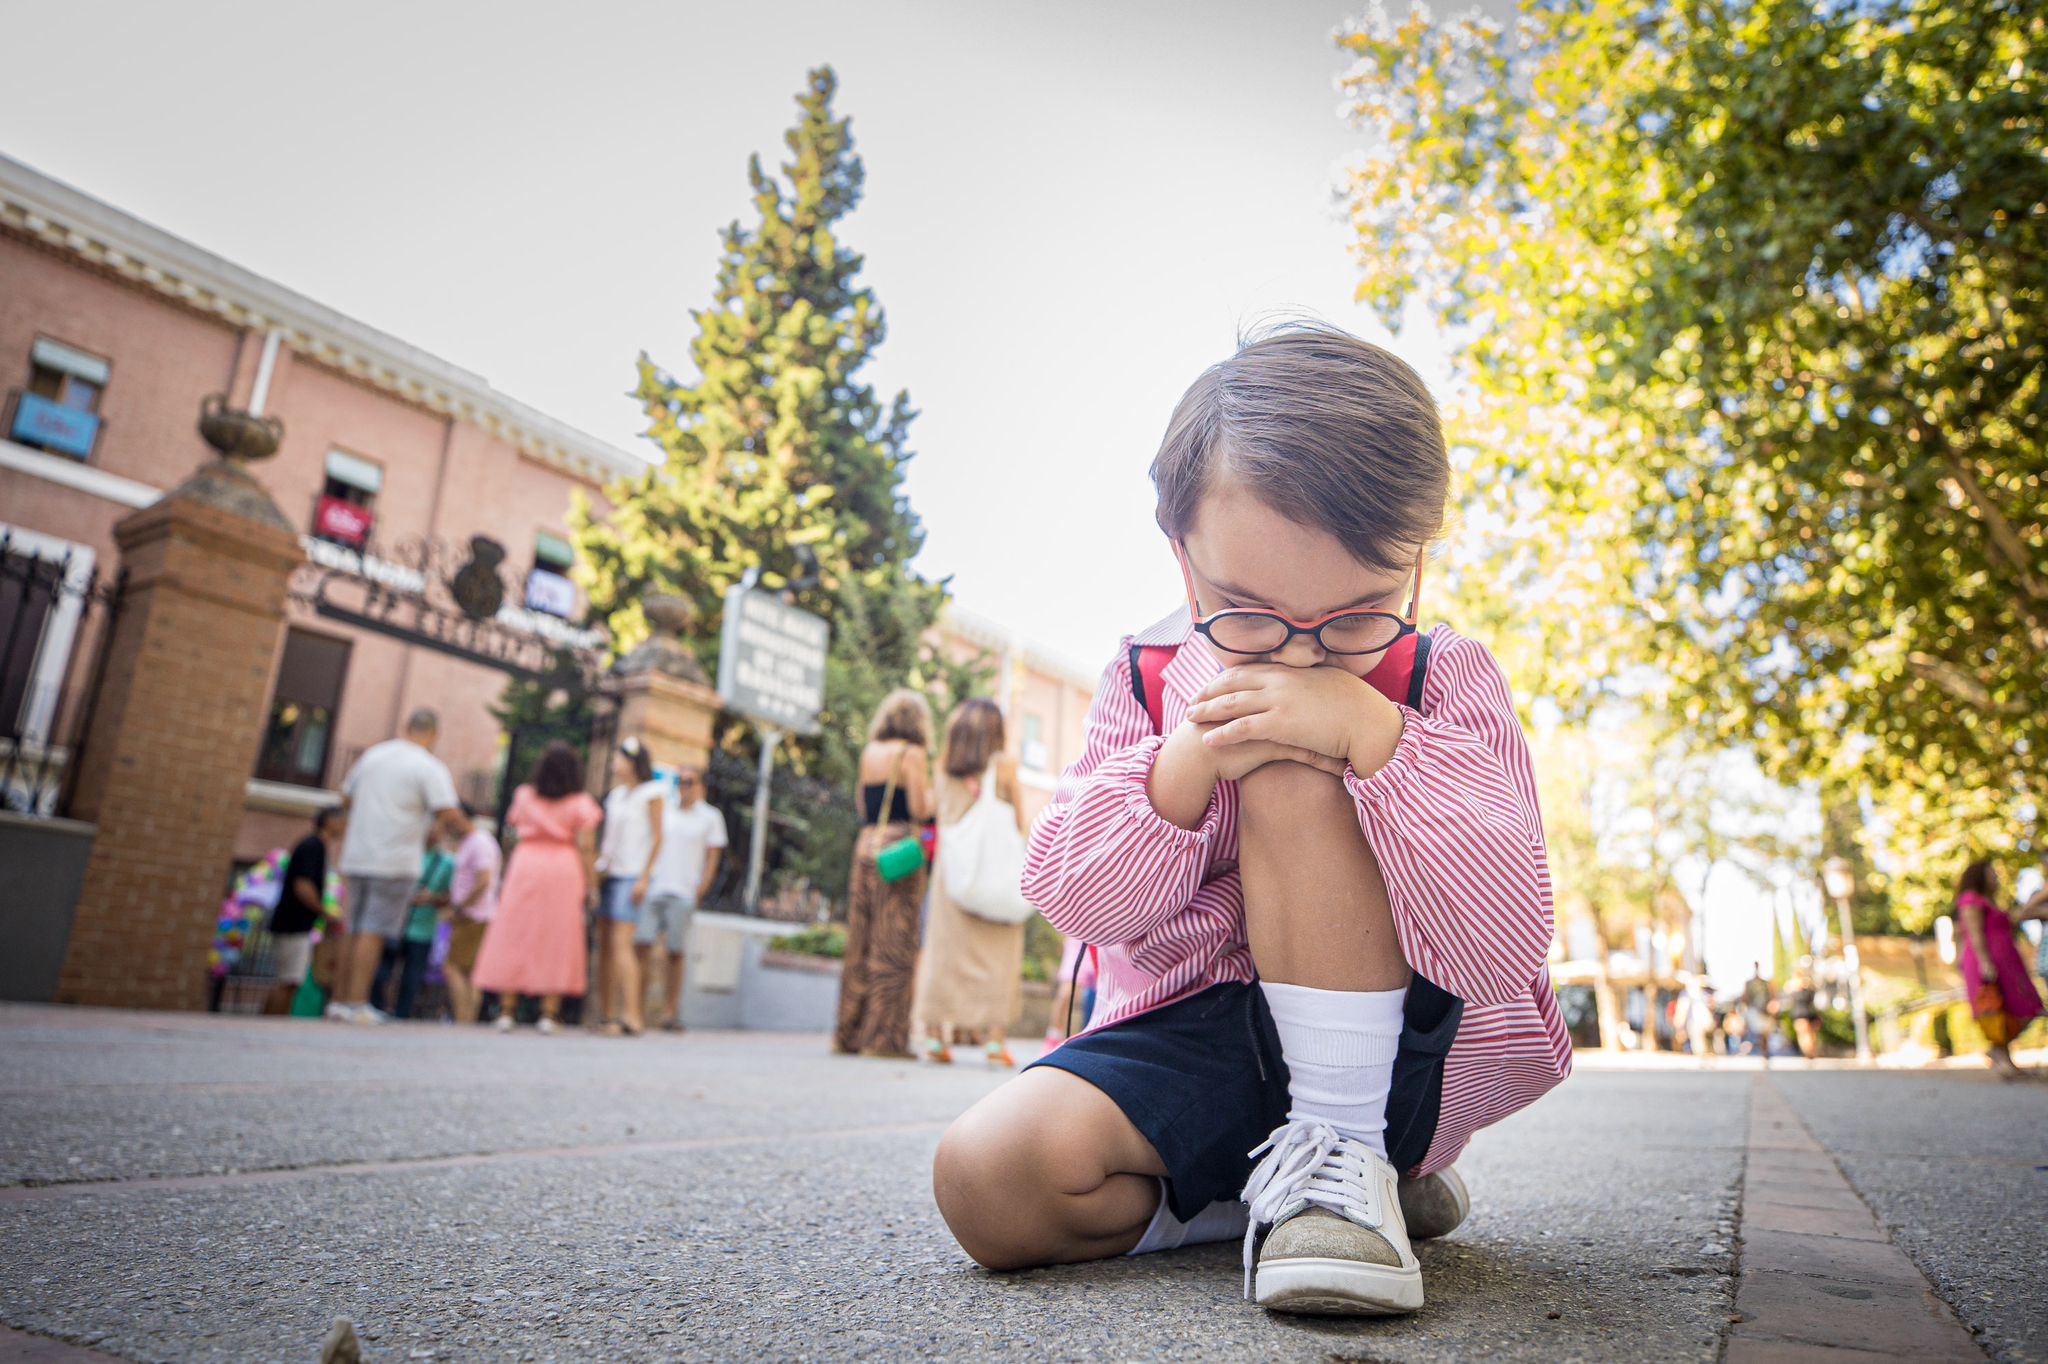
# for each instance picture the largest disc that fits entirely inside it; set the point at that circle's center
(1838, 878)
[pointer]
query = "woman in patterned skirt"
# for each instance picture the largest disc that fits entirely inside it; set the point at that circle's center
(876, 978)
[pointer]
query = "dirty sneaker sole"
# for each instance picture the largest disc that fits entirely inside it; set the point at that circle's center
(1337, 1288)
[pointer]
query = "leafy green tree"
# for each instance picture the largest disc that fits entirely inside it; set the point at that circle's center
(1750, 304)
(778, 456)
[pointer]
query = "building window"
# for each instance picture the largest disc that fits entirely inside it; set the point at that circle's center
(1032, 752)
(300, 733)
(548, 588)
(347, 510)
(59, 411)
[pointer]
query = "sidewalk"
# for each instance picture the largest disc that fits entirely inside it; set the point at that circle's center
(186, 1187)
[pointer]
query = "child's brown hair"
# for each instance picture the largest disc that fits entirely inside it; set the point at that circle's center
(1325, 429)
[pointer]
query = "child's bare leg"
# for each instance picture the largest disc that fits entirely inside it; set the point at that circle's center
(1046, 1170)
(1315, 907)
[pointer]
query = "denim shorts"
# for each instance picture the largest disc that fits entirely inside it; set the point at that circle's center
(615, 899)
(1202, 1079)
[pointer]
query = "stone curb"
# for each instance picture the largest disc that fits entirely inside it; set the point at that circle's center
(1820, 1279)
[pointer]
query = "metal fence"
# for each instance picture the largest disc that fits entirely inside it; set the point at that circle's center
(53, 610)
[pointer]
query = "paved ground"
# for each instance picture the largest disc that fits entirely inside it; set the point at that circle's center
(194, 1188)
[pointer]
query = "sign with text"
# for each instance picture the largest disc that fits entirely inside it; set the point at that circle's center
(342, 521)
(771, 660)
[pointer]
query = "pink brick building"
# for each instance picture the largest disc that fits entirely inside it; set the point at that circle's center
(112, 332)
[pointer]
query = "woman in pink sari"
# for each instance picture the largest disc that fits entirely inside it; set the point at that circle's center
(535, 943)
(2002, 994)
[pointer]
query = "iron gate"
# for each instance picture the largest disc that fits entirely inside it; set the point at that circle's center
(54, 608)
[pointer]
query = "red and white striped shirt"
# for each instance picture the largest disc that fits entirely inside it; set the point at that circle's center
(1452, 819)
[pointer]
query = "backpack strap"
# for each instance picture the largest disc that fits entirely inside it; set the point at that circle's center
(1148, 671)
(1399, 676)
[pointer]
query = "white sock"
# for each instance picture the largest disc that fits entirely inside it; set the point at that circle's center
(1221, 1221)
(1339, 1046)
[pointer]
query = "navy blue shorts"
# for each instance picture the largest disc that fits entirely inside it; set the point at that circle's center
(1202, 1079)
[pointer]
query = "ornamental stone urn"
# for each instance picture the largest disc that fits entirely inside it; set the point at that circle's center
(238, 439)
(237, 435)
(664, 650)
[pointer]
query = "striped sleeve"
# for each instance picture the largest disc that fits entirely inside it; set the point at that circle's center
(1453, 820)
(1103, 866)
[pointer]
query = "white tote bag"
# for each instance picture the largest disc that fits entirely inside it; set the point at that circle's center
(982, 858)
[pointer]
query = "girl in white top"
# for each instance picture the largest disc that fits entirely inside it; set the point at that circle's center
(625, 860)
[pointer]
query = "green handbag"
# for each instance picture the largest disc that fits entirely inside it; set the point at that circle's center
(905, 857)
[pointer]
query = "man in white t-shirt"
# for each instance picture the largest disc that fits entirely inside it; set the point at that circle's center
(692, 842)
(396, 796)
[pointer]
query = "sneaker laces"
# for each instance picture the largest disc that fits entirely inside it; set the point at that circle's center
(1307, 1162)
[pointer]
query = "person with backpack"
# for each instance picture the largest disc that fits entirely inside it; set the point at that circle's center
(1304, 844)
(970, 975)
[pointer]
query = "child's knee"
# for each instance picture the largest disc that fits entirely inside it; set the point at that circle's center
(997, 1183)
(1284, 794)
(977, 1177)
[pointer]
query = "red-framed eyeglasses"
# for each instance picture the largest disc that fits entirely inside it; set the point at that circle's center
(1255, 630)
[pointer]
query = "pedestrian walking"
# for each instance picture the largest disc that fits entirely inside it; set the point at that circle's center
(1694, 1017)
(1802, 1004)
(1759, 1011)
(473, 903)
(633, 825)
(1303, 841)
(395, 796)
(970, 975)
(300, 903)
(2002, 996)
(535, 944)
(405, 961)
(887, 882)
(693, 842)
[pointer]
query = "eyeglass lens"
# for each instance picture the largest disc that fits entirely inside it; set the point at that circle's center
(1353, 634)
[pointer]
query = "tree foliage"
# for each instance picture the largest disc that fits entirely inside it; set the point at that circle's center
(778, 456)
(1749, 299)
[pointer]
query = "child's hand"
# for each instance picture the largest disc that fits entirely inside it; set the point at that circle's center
(1323, 710)
(1233, 761)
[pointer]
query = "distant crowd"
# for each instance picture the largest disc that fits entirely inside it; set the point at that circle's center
(570, 899)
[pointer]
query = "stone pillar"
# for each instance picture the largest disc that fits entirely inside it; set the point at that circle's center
(172, 740)
(664, 696)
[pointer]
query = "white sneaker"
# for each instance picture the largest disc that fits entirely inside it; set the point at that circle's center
(546, 1025)
(504, 1023)
(1435, 1205)
(1337, 1244)
(339, 1013)
(369, 1013)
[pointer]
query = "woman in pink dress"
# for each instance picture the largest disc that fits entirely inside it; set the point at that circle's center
(2002, 994)
(535, 943)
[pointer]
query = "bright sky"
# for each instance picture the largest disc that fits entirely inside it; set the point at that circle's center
(1071, 209)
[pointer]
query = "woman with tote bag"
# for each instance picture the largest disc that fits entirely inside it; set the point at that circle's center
(970, 975)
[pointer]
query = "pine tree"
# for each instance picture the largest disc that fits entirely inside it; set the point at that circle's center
(778, 456)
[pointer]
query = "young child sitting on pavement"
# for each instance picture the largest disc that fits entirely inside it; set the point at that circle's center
(1303, 840)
